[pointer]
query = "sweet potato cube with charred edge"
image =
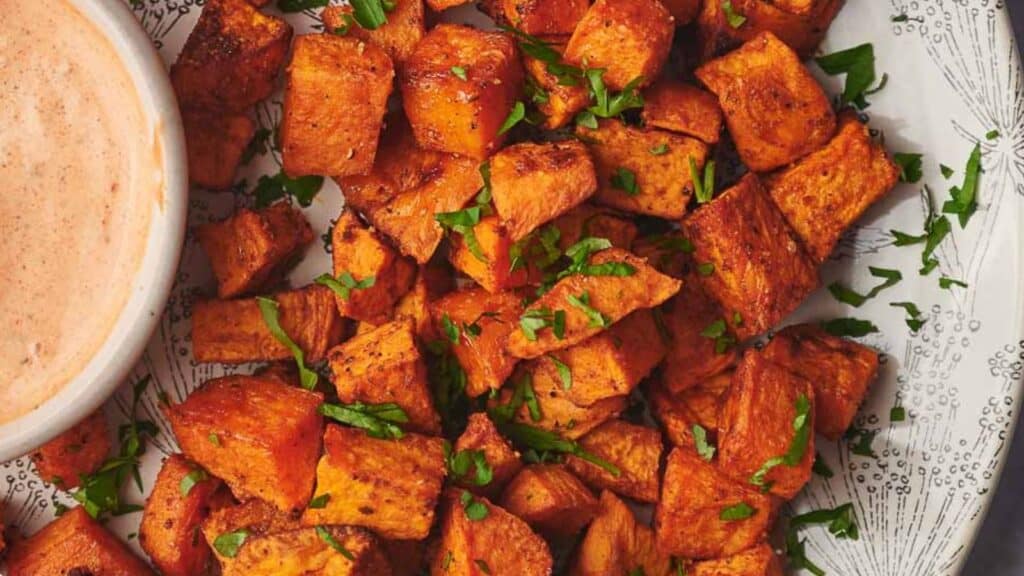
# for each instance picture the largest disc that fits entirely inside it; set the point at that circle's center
(535, 183)
(483, 355)
(758, 561)
(388, 486)
(757, 425)
(251, 248)
(683, 11)
(480, 434)
(802, 32)
(629, 39)
(334, 105)
(613, 362)
(79, 451)
(454, 115)
(761, 272)
(231, 58)
(181, 499)
(633, 178)
(385, 366)
(776, 111)
(610, 297)
(308, 551)
(397, 37)
(616, 543)
(840, 370)
(693, 356)
(234, 332)
(687, 519)
(499, 544)
(550, 499)
(215, 143)
(256, 517)
(543, 18)
(824, 194)
(360, 252)
(591, 221)
(634, 450)
(679, 411)
(683, 108)
(494, 272)
(74, 543)
(563, 102)
(268, 437)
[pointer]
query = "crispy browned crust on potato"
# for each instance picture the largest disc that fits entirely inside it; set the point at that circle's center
(630, 39)
(532, 184)
(679, 411)
(563, 102)
(634, 450)
(78, 451)
(757, 561)
(840, 370)
(500, 544)
(257, 517)
(454, 115)
(388, 486)
(398, 36)
(615, 297)
(756, 425)
(334, 104)
(231, 59)
(215, 143)
(801, 31)
(234, 332)
(827, 191)
(587, 220)
(550, 499)
(252, 248)
(544, 18)
(692, 356)
(669, 253)
(308, 551)
(761, 272)
(504, 461)
(615, 543)
(172, 518)
(683, 108)
(776, 111)
(663, 185)
(74, 543)
(687, 519)
(260, 436)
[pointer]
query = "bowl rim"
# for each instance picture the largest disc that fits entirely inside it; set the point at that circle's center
(158, 267)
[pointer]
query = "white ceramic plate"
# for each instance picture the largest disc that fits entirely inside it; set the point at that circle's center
(954, 76)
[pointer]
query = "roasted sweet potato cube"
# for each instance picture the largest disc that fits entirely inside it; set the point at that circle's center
(385, 366)
(397, 37)
(260, 436)
(694, 493)
(454, 115)
(481, 355)
(499, 544)
(253, 247)
(388, 486)
(590, 221)
(683, 11)
(334, 104)
(78, 451)
(215, 143)
(534, 183)
(310, 551)
(634, 450)
(758, 561)
(616, 543)
(801, 31)
(563, 101)
(550, 499)
(257, 517)
(234, 331)
(629, 39)
(824, 194)
(776, 111)
(759, 423)
(683, 108)
(613, 362)
(593, 303)
(679, 411)
(179, 502)
(360, 253)
(492, 267)
(632, 173)
(760, 271)
(481, 435)
(414, 307)
(696, 352)
(840, 370)
(231, 58)
(543, 18)
(72, 544)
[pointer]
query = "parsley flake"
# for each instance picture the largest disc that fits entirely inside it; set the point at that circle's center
(564, 374)
(910, 166)
(189, 481)
(797, 446)
(625, 179)
(582, 303)
(858, 63)
(734, 18)
(271, 188)
(516, 115)
(703, 190)
(270, 312)
(700, 439)
(964, 201)
(345, 283)
(459, 72)
(740, 511)
(378, 420)
(475, 510)
(327, 537)
(914, 320)
(229, 543)
(320, 501)
(852, 327)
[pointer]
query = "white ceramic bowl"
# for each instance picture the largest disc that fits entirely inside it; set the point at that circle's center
(152, 283)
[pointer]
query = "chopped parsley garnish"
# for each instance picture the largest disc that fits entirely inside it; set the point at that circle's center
(544, 441)
(852, 327)
(625, 179)
(797, 446)
(946, 171)
(719, 332)
(459, 72)
(964, 202)
(948, 283)
(864, 438)
(459, 464)
(700, 438)
(607, 105)
(659, 150)
(706, 269)
(345, 283)
(515, 116)
(530, 398)
(734, 18)
(897, 414)
(910, 166)
(269, 310)
(378, 420)
(840, 521)
(482, 565)
(540, 50)
(579, 255)
(475, 510)
(905, 18)
(703, 189)
(858, 63)
(564, 374)
(797, 555)
(582, 303)
(189, 481)
(228, 543)
(914, 320)
(270, 188)
(327, 537)
(847, 296)
(347, 22)
(740, 511)
(820, 467)
(214, 439)
(320, 501)
(451, 331)
(462, 221)
(448, 386)
(539, 318)
(992, 135)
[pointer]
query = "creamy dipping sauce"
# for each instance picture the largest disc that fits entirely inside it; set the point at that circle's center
(79, 174)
